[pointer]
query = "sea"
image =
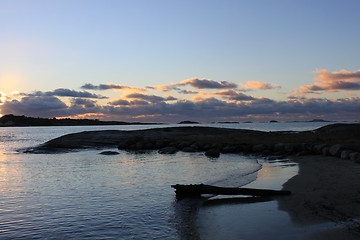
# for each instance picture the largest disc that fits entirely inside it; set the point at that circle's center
(86, 195)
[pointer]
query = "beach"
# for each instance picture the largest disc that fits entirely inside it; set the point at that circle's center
(324, 203)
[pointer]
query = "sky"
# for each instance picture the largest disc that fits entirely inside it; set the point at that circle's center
(170, 61)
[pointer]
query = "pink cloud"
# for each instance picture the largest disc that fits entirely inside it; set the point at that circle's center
(259, 85)
(332, 82)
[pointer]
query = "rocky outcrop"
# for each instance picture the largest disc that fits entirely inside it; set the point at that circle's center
(339, 140)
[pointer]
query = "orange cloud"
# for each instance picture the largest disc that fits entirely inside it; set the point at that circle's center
(332, 82)
(111, 86)
(259, 85)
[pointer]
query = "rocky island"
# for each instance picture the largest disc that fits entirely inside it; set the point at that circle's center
(340, 140)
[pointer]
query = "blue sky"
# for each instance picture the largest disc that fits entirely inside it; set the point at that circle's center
(272, 51)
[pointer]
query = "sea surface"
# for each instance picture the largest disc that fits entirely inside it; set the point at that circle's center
(85, 195)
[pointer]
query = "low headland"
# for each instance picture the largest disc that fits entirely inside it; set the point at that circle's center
(339, 140)
(11, 120)
(326, 189)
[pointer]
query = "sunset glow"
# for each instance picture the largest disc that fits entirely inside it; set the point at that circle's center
(249, 61)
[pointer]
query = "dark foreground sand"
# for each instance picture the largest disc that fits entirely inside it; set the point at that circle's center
(325, 204)
(327, 189)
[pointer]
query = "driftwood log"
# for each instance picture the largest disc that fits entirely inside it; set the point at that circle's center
(195, 190)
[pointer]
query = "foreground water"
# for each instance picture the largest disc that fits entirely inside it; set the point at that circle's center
(84, 195)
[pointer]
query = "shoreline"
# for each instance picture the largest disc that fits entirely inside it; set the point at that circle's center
(324, 203)
(241, 217)
(326, 191)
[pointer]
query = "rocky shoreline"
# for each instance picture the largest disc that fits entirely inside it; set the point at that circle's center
(339, 140)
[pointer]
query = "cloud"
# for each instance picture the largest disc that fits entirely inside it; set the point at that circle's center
(205, 109)
(84, 102)
(233, 95)
(332, 82)
(164, 88)
(44, 106)
(123, 102)
(259, 85)
(212, 109)
(170, 98)
(150, 98)
(199, 83)
(207, 84)
(63, 92)
(342, 75)
(187, 92)
(110, 86)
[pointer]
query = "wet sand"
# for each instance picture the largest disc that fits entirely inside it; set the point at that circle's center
(325, 204)
(326, 191)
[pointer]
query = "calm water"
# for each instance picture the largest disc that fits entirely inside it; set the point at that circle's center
(84, 195)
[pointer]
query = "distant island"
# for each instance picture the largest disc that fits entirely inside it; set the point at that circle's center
(188, 122)
(11, 120)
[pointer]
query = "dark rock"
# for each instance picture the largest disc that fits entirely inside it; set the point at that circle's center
(259, 148)
(289, 147)
(189, 149)
(168, 150)
(325, 151)
(303, 153)
(213, 153)
(354, 155)
(109, 153)
(204, 146)
(308, 147)
(345, 154)
(317, 148)
(139, 145)
(183, 144)
(278, 147)
(148, 145)
(162, 143)
(335, 150)
(230, 149)
(245, 148)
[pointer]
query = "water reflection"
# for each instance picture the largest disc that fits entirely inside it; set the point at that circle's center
(186, 211)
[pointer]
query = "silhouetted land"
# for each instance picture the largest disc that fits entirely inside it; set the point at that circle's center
(24, 121)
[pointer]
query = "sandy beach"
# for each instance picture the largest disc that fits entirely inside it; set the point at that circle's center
(326, 190)
(324, 204)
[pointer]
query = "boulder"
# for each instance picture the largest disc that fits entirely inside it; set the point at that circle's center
(213, 153)
(290, 147)
(317, 148)
(354, 156)
(326, 151)
(345, 154)
(335, 150)
(109, 153)
(168, 150)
